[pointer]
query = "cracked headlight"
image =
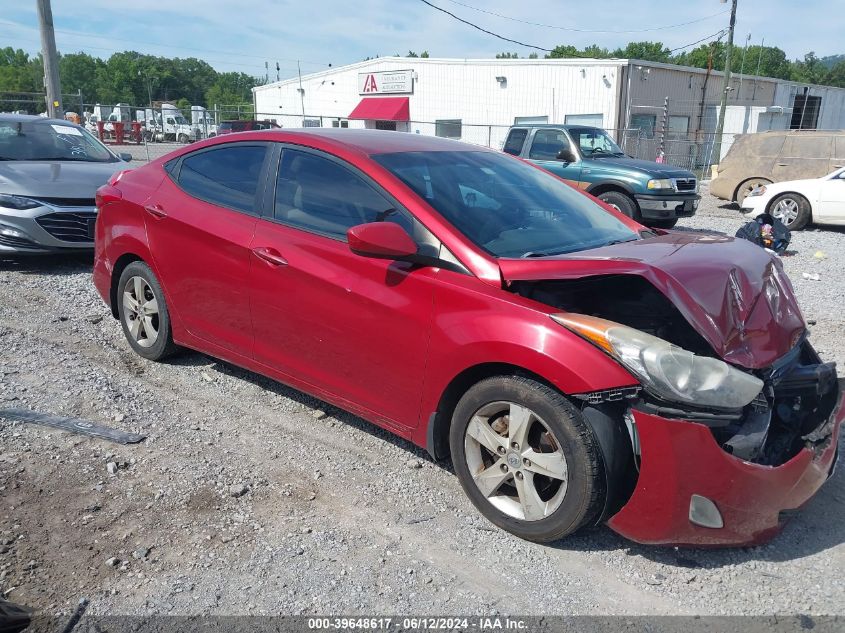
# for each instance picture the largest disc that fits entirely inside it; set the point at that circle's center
(757, 191)
(17, 202)
(664, 369)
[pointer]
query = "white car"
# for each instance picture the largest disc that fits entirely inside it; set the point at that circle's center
(798, 202)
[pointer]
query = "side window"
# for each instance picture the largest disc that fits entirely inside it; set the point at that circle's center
(322, 196)
(547, 144)
(227, 176)
(515, 141)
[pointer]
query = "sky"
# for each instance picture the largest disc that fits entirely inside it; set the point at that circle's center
(240, 35)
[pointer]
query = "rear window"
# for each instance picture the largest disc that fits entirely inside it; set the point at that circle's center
(227, 176)
(515, 141)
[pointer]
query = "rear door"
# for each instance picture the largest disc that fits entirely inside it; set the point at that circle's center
(546, 144)
(804, 155)
(200, 224)
(349, 326)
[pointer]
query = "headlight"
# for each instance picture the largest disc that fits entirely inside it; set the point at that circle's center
(666, 370)
(757, 191)
(660, 183)
(17, 202)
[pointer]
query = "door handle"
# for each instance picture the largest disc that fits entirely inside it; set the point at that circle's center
(270, 255)
(155, 210)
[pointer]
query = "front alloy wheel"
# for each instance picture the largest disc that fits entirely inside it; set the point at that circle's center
(526, 458)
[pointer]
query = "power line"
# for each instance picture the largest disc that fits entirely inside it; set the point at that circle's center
(576, 30)
(548, 50)
(483, 30)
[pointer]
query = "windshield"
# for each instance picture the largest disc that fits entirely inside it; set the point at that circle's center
(594, 142)
(45, 140)
(506, 207)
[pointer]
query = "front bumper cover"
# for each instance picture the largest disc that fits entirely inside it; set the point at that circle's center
(21, 232)
(654, 207)
(681, 458)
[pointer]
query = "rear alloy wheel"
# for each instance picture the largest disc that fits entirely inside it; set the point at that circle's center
(621, 202)
(792, 209)
(143, 313)
(748, 186)
(526, 458)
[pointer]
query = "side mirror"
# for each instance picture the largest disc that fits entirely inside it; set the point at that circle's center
(566, 155)
(125, 156)
(381, 240)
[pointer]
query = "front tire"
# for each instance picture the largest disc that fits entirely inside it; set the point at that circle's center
(792, 209)
(526, 458)
(622, 203)
(143, 313)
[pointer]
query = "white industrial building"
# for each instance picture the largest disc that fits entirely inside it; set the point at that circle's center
(657, 105)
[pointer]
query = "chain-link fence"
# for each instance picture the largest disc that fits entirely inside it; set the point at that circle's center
(158, 128)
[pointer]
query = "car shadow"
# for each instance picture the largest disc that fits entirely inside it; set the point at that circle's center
(59, 264)
(197, 359)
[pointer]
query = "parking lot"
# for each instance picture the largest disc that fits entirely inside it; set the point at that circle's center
(250, 498)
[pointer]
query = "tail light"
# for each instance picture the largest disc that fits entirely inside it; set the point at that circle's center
(108, 193)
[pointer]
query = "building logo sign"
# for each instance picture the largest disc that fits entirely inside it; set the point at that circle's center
(389, 82)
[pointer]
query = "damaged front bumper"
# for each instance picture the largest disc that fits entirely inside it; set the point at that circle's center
(681, 462)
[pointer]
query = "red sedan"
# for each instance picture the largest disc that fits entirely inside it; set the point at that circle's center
(577, 367)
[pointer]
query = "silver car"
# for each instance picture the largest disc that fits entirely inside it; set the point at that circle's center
(49, 172)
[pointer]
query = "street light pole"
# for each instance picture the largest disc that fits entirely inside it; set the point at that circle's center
(726, 82)
(52, 84)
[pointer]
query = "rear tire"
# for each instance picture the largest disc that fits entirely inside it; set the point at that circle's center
(792, 209)
(622, 203)
(143, 313)
(525, 429)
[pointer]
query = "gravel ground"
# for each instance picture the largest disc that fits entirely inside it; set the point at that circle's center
(250, 498)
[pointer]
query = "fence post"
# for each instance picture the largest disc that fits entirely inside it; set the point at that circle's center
(661, 148)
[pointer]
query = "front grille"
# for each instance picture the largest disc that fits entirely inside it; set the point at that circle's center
(69, 227)
(68, 202)
(685, 184)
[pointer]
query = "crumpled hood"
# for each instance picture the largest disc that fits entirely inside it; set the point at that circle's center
(56, 179)
(732, 292)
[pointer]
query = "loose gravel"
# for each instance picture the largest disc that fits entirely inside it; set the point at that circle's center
(251, 498)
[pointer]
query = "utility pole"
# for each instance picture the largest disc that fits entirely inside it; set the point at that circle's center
(720, 126)
(52, 85)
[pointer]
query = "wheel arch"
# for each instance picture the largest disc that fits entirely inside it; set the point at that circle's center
(735, 194)
(604, 186)
(789, 192)
(119, 266)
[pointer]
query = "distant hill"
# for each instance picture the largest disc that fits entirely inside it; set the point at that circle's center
(831, 60)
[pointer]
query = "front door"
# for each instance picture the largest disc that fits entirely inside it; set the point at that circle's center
(200, 224)
(546, 145)
(349, 326)
(831, 207)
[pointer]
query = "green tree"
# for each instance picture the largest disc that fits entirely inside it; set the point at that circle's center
(533, 56)
(593, 50)
(507, 56)
(411, 54)
(648, 51)
(78, 72)
(21, 73)
(836, 75)
(562, 51)
(811, 70)
(424, 54)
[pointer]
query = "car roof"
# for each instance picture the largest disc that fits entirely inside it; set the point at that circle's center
(372, 142)
(32, 118)
(557, 126)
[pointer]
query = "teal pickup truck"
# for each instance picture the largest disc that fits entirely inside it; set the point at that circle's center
(587, 158)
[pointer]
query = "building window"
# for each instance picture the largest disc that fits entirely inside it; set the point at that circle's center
(645, 123)
(805, 112)
(678, 125)
(530, 120)
(340, 123)
(311, 123)
(448, 128)
(386, 125)
(594, 120)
